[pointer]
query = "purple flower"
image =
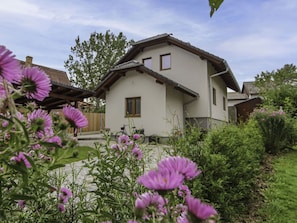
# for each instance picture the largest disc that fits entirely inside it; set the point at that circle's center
(21, 204)
(55, 139)
(35, 83)
(137, 153)
(136, 136)
(75, 117)
(65, 193)
(123, 139)
(21, 157)
(182, 165)
(161, 179)
(9, 67)
(61, 207)
(200, 210)
(150, 201)
(183, 191)
(183, 218)
(41, 122)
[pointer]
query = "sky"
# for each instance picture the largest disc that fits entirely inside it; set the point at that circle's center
(253, 36)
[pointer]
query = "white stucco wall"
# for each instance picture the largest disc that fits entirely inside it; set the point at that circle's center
(187, 69)
(153, 103)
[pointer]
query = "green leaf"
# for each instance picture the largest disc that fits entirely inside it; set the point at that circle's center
(214, 5)
(56, 166)
(21, 197)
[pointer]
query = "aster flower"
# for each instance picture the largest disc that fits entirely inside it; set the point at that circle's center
(21, 158)
(123, 139)
(161, 180)
(137, 153)
(9, 67)
(61, 207)
(183, 191)
(65, 194)
(21, 204)
(35, 83)
(148, 202)
(41, 122)
(136, 136)
(182, 165)
(198, 209)
(75, 117)
(55, 139)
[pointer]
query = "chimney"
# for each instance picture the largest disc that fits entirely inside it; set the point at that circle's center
(29, 60)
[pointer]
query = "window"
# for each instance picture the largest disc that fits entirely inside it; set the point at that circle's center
(224, 103)
(133, 107)
(165, 61)
(147, 62)
(214, 96)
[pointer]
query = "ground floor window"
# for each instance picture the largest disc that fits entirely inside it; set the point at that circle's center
(133, 107)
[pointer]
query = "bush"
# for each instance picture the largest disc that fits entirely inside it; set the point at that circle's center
(276, 128)
(229, 159)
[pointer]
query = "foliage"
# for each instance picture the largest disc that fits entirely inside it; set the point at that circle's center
(280, 197)
(229, 158)
(276, 128)
(214, 5)
(278, 88)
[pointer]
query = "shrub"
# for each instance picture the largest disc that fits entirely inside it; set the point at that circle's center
(276, 128)
(229, 159)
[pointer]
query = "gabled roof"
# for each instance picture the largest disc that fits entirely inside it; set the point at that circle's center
(249, 88)
(236, 96)
(218, 63)
(119, 70)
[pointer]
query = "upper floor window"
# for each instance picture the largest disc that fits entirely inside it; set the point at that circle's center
(214, 96)
(165, 61)
(147, 62)
(133, 107)
(224, 103)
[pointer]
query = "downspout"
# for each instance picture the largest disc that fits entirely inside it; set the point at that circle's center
(210, 86)
(184, 109)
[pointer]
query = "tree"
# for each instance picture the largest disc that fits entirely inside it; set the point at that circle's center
(214, 5)
(279, 88)
(90, 60)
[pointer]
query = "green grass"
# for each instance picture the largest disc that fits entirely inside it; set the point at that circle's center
(281, 194)
(75, 154)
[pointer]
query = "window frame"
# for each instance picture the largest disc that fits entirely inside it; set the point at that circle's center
(134, 107)
(224, 103)
(214, 96)
(161, 61)
(147, 59)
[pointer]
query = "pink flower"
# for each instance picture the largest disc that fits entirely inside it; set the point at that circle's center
(75, 117)
(61, 207)
(182, 165)
(21, 204)
(36, 83)
(123, 139)
(65, 194)
(55, 139)
(41, 122)
(9, 66)
(200, 210)
(136, 136)
(148, 201)
(21, 157)
(137, 153)
(183, 191)
(161, 179)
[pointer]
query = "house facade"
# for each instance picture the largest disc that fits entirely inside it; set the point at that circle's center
(162, 83)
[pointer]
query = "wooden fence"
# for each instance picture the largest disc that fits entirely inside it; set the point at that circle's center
(96, 122)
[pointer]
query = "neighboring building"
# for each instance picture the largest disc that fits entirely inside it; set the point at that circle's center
(62, 92)
(241, 105)
(162, 83)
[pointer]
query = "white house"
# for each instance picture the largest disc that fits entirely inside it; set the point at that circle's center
(162, 83)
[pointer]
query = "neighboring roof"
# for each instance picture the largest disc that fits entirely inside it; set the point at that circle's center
(57, 76)
(218, 63)
(256, 99)
(236, 96)
(62, 92)
(119, 70)
(250, 88)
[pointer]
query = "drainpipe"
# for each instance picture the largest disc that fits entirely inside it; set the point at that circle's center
(184, 108)
(210, 85)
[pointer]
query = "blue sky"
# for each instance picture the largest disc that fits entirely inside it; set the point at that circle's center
(251, 35)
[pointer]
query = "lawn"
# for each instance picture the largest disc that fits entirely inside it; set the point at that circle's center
(76, 154)
(281, 194)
